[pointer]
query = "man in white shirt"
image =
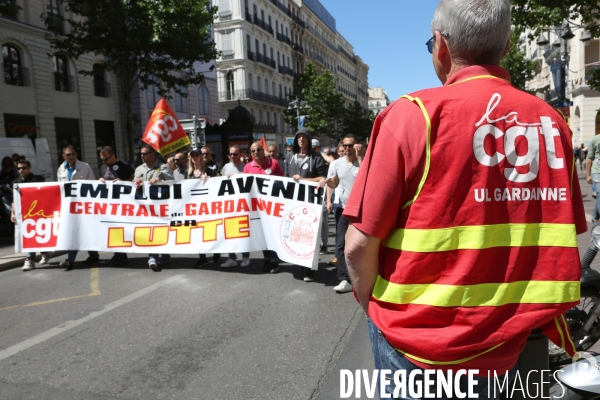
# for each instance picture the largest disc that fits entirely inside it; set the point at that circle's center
(71, 170)
(234, 167)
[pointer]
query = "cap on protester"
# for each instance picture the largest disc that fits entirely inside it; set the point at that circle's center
(315, 143)
(197, 151)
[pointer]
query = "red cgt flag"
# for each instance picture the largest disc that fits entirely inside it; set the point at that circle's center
(264, 143)
(164, 132)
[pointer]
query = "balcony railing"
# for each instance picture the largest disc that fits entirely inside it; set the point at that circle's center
(259, 22)
(17, 77)
(55, 23)
(298, 48)
(227, 54)
(261, 58)
(282, 38)
(322, 38)
(251, 56)
(248, 17)
(317, 57)
(251, 94)
(348, 55)
(296, 19)
(102, 89)
(225, 15)
(285, 70)
(64, 83)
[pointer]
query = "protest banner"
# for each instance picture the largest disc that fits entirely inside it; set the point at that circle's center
(219, 215)
(164, 132)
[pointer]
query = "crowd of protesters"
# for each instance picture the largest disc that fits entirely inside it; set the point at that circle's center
(304, 160)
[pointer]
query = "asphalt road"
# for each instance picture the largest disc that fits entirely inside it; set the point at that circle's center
(104, 332)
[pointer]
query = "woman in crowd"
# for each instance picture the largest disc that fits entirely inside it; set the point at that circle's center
(197, 170)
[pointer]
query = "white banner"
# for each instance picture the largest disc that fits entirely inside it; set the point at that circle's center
(220, 215)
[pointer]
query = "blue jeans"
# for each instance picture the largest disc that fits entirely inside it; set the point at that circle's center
(596, 189)
(387, 357)
(244, 255)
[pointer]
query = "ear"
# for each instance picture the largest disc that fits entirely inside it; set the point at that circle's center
(443, 53)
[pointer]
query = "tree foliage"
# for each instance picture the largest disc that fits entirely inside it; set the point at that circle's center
(539, 15)
(520, 68)
(358, 122)
(9, 8)
(325, 106)
(144, 42)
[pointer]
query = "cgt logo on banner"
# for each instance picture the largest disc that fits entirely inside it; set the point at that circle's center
(164, 132)
(41, 213)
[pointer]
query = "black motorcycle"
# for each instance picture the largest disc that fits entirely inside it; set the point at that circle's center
(583, 319)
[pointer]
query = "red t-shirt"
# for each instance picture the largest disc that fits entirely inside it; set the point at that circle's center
(269, 167)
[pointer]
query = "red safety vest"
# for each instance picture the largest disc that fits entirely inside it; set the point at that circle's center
(485, 250)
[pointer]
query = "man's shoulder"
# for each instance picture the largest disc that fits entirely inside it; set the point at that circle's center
(81, 164)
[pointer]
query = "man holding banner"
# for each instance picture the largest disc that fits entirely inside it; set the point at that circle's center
(263, 165)
(165, 134)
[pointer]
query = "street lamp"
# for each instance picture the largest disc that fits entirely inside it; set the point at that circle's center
(563, 35)
(298, 105)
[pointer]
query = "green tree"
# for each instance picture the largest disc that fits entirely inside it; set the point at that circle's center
(9, 8)
(539, 15)
(144, 42)
(516, 63)
(357, 121)
(325, 106)
(302, 84)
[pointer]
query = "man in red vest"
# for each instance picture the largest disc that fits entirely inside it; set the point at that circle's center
(465, 211)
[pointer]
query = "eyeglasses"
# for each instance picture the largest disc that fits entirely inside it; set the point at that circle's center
(144, 154)
(256, 150)
(69, 154)
(233, 154)
(177, 159)
(431, 41)
(105, 158)
(348, 146)
(22, 168)
(429, 44)
(205, 154)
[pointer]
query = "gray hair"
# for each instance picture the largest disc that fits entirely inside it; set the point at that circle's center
(477, 30)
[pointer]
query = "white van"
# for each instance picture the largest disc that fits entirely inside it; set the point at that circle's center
(39, 156)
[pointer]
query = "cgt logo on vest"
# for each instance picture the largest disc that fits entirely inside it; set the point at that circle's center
(524, 164)
(40, 208)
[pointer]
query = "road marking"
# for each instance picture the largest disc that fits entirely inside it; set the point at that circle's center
(94, 291)
(72, 324)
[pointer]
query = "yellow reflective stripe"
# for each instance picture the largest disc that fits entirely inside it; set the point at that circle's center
(479, 77)
(562, 316)
(562, 337)
(427, 147)
(482, 237)
(483, 294)
(462, 360)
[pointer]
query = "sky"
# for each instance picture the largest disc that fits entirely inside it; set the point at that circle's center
(389, 36)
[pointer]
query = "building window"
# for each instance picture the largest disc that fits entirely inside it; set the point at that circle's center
(61, 74)
(11, 57)
(229, 82)
(181, 100)
(203, 101)
(54, 19)
(101, 87)
(152, 96)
